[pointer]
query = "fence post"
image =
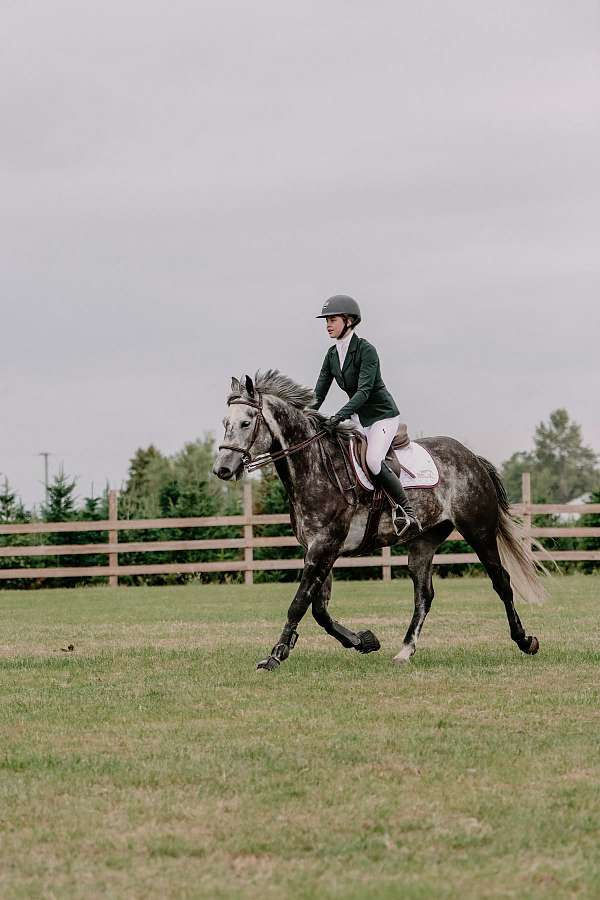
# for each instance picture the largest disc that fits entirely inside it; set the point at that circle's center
(113, 536)
(526, 500)
(386, 565)
(248, 533)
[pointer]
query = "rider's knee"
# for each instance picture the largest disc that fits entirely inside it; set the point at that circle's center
(374, 462)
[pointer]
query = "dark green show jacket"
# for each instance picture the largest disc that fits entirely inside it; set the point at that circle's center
(360, 379)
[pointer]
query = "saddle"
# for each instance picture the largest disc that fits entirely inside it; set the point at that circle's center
(400, 440)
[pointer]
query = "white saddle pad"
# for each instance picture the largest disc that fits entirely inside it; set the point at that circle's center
(418, 467)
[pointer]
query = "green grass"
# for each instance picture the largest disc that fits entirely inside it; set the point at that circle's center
(153, 761)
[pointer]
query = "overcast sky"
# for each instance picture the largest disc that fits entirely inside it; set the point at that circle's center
(183, 183)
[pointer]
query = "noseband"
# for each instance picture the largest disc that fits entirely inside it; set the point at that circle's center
(251, 463)
(245, 451)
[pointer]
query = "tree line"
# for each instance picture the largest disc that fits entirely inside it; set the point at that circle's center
(181, 485)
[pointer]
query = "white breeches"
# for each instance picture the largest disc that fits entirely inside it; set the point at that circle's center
(379, 437)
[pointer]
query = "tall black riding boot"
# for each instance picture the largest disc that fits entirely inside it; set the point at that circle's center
(405, 521)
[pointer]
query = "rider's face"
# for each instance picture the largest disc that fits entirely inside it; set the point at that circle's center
(335, 326)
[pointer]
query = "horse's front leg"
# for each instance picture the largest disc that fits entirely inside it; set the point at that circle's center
(363, 641)
(317, 567)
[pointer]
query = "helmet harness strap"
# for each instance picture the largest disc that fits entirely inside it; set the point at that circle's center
(348, 323)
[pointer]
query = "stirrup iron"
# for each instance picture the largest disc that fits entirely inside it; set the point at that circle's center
(403, 528)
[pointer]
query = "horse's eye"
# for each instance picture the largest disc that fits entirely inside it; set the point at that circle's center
(245, 424)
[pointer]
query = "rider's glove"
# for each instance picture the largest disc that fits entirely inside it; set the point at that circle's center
(331, 423)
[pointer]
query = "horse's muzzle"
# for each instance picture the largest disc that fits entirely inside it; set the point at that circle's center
(223, 472)
(228, 465)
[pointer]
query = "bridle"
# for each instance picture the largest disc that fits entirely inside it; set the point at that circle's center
(250, 463)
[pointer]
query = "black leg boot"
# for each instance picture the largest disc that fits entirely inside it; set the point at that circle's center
(405, 521)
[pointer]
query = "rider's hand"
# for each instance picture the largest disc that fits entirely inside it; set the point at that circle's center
(331, 423)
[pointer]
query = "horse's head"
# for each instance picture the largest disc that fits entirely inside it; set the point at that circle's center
(246, 431)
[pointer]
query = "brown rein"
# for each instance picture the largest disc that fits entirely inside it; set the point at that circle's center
(251, 464)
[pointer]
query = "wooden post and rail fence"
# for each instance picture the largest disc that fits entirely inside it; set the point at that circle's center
(246, 544)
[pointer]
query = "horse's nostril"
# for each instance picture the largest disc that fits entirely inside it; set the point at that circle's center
(224, 472)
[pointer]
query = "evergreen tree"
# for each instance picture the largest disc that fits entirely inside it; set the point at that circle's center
(61, 499)
(149, 472)
(562, 467)
(8, 502)
(194, 463)
(94, 509)
(194, 491)
(90, 511)
(174, 487)
(12, 511)
(60, 507)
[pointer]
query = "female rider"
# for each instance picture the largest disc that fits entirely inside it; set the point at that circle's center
(354, 364)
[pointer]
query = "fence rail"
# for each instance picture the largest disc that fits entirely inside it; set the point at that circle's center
(247, 544)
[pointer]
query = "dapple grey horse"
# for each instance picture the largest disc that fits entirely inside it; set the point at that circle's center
(269, 420)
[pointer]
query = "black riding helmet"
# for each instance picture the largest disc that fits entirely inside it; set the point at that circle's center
(341, 305)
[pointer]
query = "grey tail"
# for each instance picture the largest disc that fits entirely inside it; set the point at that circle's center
(514, 546)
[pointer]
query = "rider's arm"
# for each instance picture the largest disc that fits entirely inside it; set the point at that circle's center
(369, 364)
(323, 383)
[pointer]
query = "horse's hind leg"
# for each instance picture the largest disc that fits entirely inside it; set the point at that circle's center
(487, 551)
(420, 567)
(363, 641)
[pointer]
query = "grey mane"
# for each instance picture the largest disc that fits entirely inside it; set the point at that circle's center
(276, 384)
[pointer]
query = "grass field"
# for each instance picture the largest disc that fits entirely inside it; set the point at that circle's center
(153, 761)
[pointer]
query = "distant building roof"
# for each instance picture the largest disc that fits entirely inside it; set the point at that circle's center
(576, 501)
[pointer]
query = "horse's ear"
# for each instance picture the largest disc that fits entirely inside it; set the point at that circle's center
(249, 385)
(236, 387)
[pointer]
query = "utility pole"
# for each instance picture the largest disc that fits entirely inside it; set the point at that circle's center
(45, 454)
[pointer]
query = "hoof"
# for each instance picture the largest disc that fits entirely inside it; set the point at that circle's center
(368, 642)
(534, 646)
(267, 665)
(404, 656)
